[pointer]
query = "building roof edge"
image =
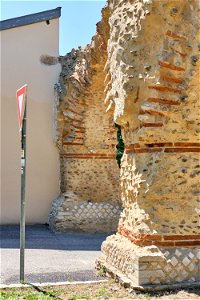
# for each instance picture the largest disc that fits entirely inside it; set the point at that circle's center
(31, 19)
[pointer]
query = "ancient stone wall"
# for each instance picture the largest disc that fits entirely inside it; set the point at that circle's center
(154, 95)
(142, 68)
(86, 137)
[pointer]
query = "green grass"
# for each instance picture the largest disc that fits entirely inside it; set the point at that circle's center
(101, 294)
(44, 294)
(74, 297)
(29, 294)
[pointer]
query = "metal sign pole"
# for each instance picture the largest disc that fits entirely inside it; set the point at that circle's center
(23, 182)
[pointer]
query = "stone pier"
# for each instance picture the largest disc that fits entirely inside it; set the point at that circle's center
(153, 64)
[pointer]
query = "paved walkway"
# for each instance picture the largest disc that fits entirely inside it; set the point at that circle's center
(49, 257)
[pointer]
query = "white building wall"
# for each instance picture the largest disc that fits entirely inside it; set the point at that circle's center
(21, 48)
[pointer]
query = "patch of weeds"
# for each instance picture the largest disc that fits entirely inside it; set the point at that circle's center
(101, 272)
(74, 297)
(102, 294)
(31, 297)
(8, 295)
(53, 293)
(147, 295)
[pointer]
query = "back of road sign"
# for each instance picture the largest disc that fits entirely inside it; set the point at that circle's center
(21, 98)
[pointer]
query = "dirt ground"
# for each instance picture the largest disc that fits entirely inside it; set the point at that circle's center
(100, 291)
(112, 291)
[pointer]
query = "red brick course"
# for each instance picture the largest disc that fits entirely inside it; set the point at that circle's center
(171, 79)
(88, 155)
(167, 144)
(180, 53)
(75, 112)
(159, 240)
(164, 101)
(71, 144)
(182, 237)
(183, 144)
(150, 112)
(151, 124)
(78, 127)
(170, 66)
(74, 119)
(143, 150)
(164, 89)
(187, 243)
(166, 147)
(182, 150)
(174, 35)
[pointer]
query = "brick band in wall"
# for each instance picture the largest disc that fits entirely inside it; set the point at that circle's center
(88, 155)
(159, 240)
(166, 147)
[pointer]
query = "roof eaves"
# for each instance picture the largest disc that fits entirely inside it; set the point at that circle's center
(31, 19)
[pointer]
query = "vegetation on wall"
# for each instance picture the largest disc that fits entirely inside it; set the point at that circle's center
(120, 145)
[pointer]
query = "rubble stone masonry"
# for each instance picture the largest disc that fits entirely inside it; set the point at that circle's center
(153, 66)
(142, 67)
(86, 137)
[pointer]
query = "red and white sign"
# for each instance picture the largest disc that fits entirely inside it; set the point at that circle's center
(21, 99)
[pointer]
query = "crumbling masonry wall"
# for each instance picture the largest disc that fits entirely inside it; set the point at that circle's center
(153, 64)
(149, 51)
(86, 137)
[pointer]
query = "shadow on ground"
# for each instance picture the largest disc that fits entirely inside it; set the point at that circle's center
(41, 237)
(70, 276)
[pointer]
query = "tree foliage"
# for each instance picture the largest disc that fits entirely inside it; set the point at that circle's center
(120, 145)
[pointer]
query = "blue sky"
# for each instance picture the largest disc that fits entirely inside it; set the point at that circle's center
(77, 23)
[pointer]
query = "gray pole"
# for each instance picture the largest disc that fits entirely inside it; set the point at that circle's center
(23, 181)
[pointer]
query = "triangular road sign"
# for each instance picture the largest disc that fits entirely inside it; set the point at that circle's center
(21, 98)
